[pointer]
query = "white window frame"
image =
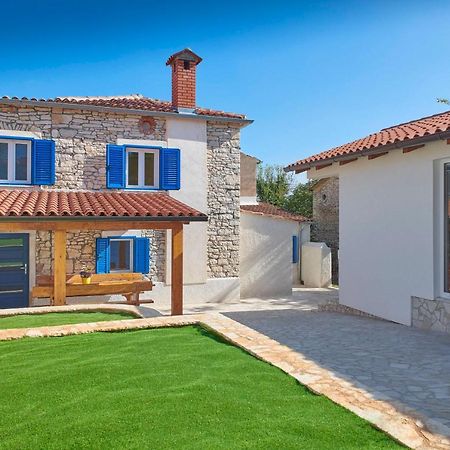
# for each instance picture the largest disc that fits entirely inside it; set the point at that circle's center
(11, 179)
(141, 167)
(441, 230)
(131, 241)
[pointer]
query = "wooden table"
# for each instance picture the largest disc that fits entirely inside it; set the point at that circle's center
(130, 285)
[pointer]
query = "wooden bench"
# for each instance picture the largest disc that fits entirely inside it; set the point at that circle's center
(130, 285)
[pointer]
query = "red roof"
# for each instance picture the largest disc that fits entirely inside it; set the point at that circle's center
(416, 129)
(48, 203)
(135, 101)
(265, 209)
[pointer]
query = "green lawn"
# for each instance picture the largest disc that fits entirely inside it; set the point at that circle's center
(167, 388)
(49, 319)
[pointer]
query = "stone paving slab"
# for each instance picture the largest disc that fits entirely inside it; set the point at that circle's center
(406, 367)
(388, 417)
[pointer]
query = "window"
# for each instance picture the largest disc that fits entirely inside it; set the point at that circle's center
(294, 249)
(135, 167)
(121, 255)
(142, 168)
(15, 161)
(447, 227)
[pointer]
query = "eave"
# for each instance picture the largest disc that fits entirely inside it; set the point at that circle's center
(140, 112)
(373, 152)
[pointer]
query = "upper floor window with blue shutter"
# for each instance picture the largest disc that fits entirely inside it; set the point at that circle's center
(140, 167)
(15, 161)
(27, 161)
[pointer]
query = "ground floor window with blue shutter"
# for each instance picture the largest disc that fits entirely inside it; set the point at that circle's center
(123, 254)
(27, 161)
(142, 168)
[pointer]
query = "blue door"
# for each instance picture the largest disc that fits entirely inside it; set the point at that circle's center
(14, 283)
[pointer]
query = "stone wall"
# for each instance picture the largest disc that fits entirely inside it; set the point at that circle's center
(325, 227)
(81, 137)
(430, 314)
(81, 252)
(223, 146)
(336, 307)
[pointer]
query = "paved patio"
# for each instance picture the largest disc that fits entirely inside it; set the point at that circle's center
(302, 299)
(392, 361)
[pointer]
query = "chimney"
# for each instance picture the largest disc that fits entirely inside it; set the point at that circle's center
(183, 65)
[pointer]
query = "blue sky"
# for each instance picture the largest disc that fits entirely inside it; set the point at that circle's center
(312, 75)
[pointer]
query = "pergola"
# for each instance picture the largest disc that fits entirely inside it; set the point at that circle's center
(63, 211)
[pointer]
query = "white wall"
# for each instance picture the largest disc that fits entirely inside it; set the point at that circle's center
(266, 255)
(190, 137)
(316, 265)
(388, 213)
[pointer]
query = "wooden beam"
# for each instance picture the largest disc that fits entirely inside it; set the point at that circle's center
(177, 270)
(377, 155)
(347, 161)
(412, 148)
(322, 166)
(59, 267)
(53, 225)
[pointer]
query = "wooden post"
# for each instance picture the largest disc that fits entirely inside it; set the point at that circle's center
(177, 269)
(59, 267)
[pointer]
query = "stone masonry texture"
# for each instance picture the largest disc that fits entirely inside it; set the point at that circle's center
(325, 227)
(223, 199)
(431, 314)
(81, 137)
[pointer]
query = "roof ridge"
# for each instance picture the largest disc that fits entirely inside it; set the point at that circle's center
(427, 126)
(100, 97)
(414, 120)
(130, 102)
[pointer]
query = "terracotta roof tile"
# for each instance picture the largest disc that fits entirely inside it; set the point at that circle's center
(29, 203)
(135, 102)
(265, 209)
(427, 126)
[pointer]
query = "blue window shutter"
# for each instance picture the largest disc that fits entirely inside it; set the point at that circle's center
(43, 162)
(115, 166)
(294, 249)
(169, 168)
(102, 255)
(141, 256)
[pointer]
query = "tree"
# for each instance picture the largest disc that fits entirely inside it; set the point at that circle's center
(277, 187)
(301, 200)
(273, 184)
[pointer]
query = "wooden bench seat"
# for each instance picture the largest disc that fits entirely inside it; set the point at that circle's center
(130, 285)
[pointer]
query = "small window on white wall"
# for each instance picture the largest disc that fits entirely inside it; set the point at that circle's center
(15, 161)
(142, 168)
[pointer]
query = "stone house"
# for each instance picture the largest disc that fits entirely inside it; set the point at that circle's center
(394, 226)
(325, 226)
(128, 144)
